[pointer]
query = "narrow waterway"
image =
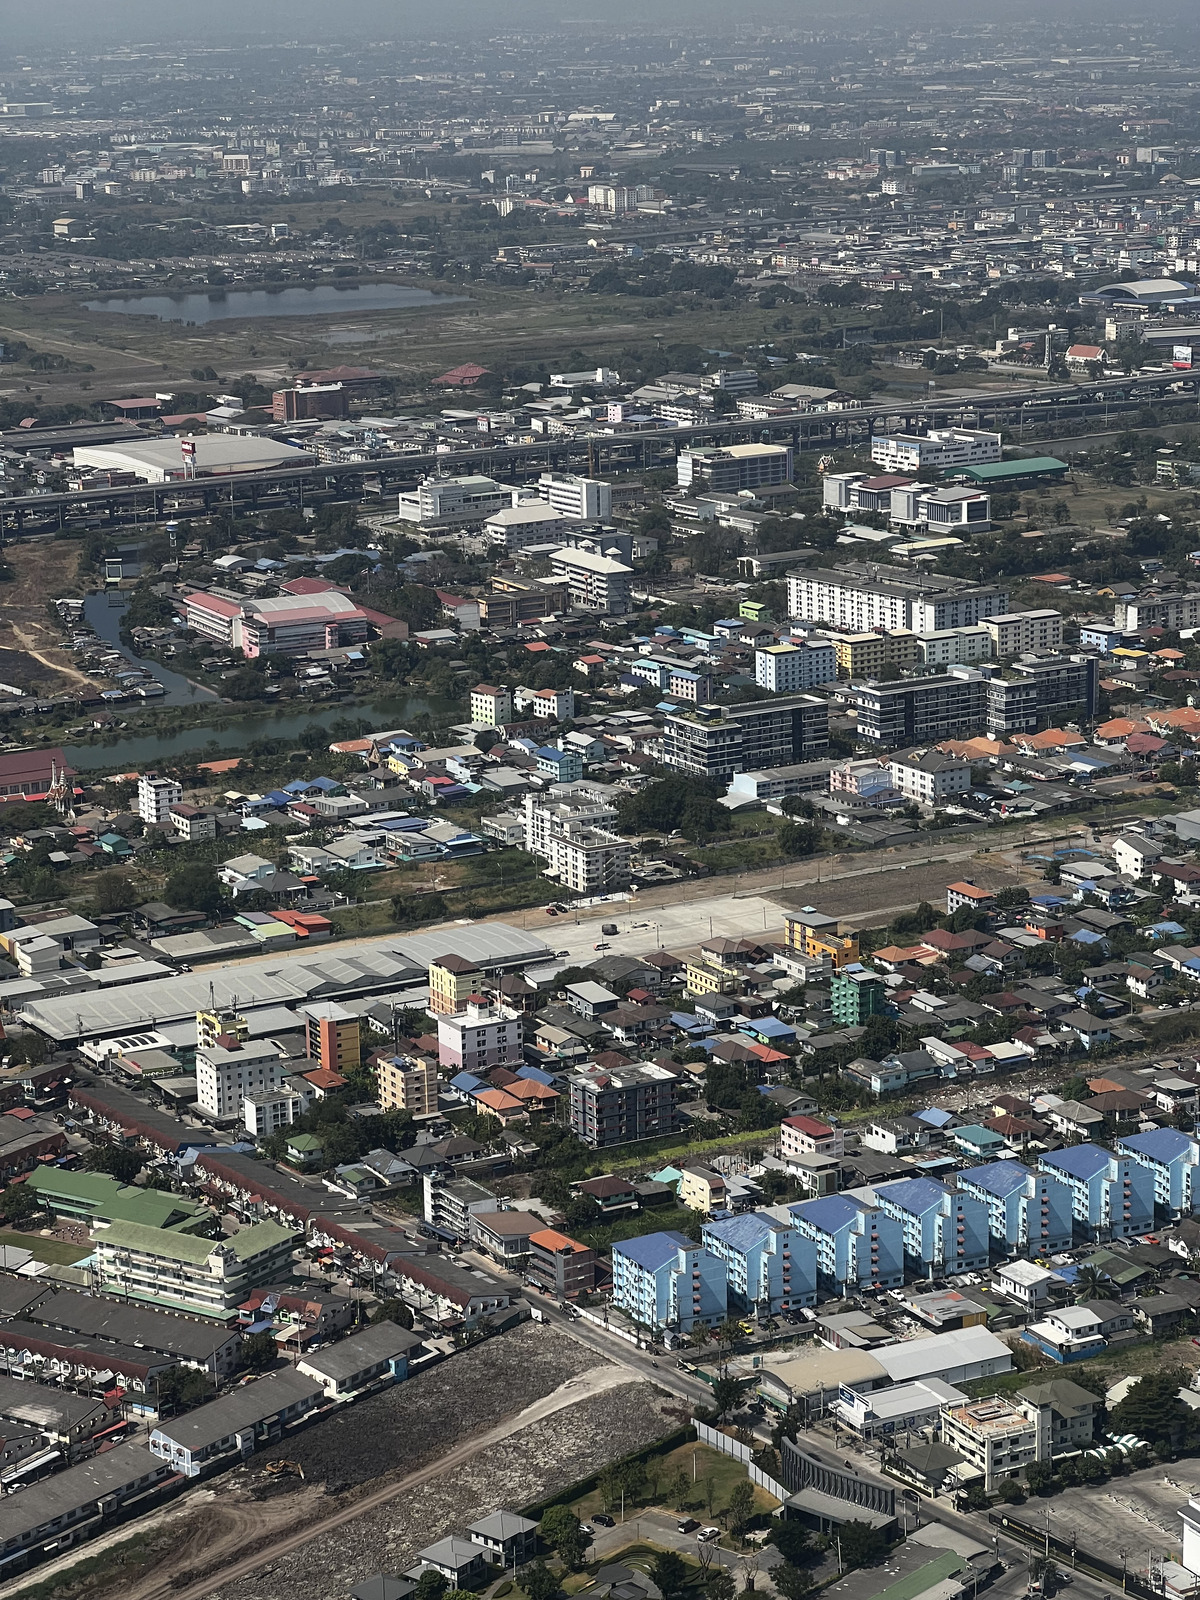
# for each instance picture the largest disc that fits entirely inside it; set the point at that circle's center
(103, 613)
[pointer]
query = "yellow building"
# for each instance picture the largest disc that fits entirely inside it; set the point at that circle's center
(819, 943)
(706, 975)
(212, 1025)
(451, 981)
(702, 1190)
(408, 1083)
(861, 655)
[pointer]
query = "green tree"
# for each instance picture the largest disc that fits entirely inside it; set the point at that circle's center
(258, 1353)
(670, 1573)
(679, 1488)
(793, 1583)
(114, 892)
(1152, 1409)
(430, 1585)
(791, 1539)
(726, 1393)
(861, 1545)
(1039, 1475)
(194, 886)
(561, 1530)
(114, 1159)
(1010, 1492)
(18, 1202)
(741, 1506)
(1092, 1284)
(718, 1585)
(393, 1311)
(538, 1582)
(799, 838)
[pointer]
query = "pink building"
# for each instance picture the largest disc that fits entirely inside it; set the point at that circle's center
(481, 1037)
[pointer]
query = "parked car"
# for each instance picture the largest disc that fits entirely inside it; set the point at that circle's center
(687, 1525)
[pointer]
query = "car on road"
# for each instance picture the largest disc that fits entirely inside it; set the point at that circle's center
(687, 1525)
(707, 1535)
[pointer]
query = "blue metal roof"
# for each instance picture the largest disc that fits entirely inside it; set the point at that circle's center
(934, 1116)
(915, 1195)
(744, 1232)
(830, 1214)
(1081, 1161)
(653, 1250)
(1000, 1178)
(1160, 1144)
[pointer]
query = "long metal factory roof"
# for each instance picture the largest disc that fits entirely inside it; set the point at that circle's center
(293, 978)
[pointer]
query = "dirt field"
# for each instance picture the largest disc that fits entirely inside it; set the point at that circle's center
(31, 644)
(496, 1427)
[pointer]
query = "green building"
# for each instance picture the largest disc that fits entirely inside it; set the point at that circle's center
(856, 993)
(95, 1198)
(754, 611)
(199, 1277)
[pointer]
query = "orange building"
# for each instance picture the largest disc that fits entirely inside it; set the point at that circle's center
(333, 1037)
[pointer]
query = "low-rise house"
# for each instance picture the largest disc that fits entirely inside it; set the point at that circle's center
(378, 1353)
(560, 1265)
(509, 1539)
(235, 1425)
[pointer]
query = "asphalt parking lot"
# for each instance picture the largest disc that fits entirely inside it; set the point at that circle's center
(1138, 1514)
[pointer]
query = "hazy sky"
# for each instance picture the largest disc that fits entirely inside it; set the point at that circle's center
(93, 23)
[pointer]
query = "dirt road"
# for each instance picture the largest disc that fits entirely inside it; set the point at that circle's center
(40, 573)
(208, 1555)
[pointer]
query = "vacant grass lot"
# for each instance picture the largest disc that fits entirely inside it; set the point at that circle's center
(51, 1250)
(711, 1477)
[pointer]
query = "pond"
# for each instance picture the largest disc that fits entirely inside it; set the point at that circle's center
(233, 734)
(223, 305)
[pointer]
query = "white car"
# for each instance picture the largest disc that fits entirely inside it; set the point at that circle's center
(706, 1535)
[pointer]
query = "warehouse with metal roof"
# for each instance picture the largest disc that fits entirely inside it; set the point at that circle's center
(281, 980)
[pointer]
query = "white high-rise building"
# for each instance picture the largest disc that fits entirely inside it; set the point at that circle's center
(227, 1073)
(155, 798)
(582, 499)
(939, 449)
(786, 668)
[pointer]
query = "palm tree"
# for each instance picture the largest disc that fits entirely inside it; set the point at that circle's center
(1092, 1284)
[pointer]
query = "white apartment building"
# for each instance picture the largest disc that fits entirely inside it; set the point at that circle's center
(578, 803)
(181, 1273)
(929, 777)
(605, 377)
(595, 583)
(786, 668)
(1170, 611)
(155, 798)
(194, 824)
(939, 449)
(455, 502)
(552, 705)
(226, 1074)
(997, 1436)
(862, 598)
(517, 527)
(572, 496)
(408, 1083)
(490, 707)
(267, 1110)
(1015, 632)
(955, 646)
(481, 1037)
(588, 860)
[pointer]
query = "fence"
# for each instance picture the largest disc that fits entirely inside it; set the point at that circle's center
(740, 1452)
(1083, 1561)
(615, 1328)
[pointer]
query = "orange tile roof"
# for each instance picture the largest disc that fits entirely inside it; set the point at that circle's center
(551, 1239)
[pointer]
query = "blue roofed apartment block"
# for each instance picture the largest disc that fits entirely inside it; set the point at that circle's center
(771, 1265)
(668, 1281)
(1170, 1157)
(944, 1231)
(1028, 1212)
(858, 1246)
(1112, 1197)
